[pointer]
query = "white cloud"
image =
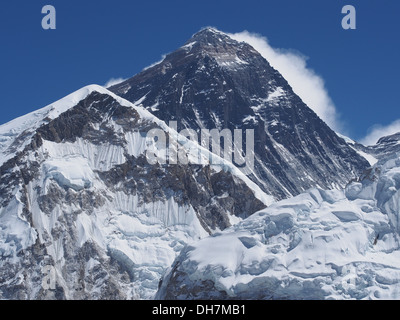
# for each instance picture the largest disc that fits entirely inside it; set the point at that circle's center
(155, 63)
(113, 81)
(309, 86)
(378, 131)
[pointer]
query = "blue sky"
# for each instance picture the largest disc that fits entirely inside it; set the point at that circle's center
(98, 40)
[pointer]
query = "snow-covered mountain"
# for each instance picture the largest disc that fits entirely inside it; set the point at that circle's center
(318, 245)
(84, 213)
(214, 81)
(385, 147)
(79, 199)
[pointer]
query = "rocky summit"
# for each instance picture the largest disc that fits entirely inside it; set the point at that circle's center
(214, 81)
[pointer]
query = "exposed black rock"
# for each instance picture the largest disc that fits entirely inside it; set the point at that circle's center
(214, 81)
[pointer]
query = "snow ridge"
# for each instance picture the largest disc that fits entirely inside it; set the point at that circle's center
(85, 201)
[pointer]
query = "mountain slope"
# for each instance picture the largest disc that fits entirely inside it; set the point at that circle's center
(385, 147)
(79, 197)
(317, 245)
(214, 81)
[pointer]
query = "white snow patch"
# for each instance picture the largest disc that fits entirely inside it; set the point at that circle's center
(72, 172)
(249, 118)
(100, 157)
(279, 92)
(189, 46)
(320, 244)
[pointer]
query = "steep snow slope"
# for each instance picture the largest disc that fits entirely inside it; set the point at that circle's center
(318, 245)
(78, 196)
(15, 134)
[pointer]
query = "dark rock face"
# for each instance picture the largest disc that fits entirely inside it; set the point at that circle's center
(77, 122)
(213, 195)
(55, 217)
(214, 81)
(173, 289)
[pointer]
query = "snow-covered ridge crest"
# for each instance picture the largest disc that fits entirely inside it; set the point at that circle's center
(82, 193)
(212, 30)
(26, 125)
(52, 110)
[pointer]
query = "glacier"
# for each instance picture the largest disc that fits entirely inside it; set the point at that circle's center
(321, 244)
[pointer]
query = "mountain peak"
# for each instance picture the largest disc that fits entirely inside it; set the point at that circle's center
(214, 81)
(209, 32)
(211, 38)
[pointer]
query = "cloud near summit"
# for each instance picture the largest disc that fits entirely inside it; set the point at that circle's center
(309, 86)
(378, 131)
